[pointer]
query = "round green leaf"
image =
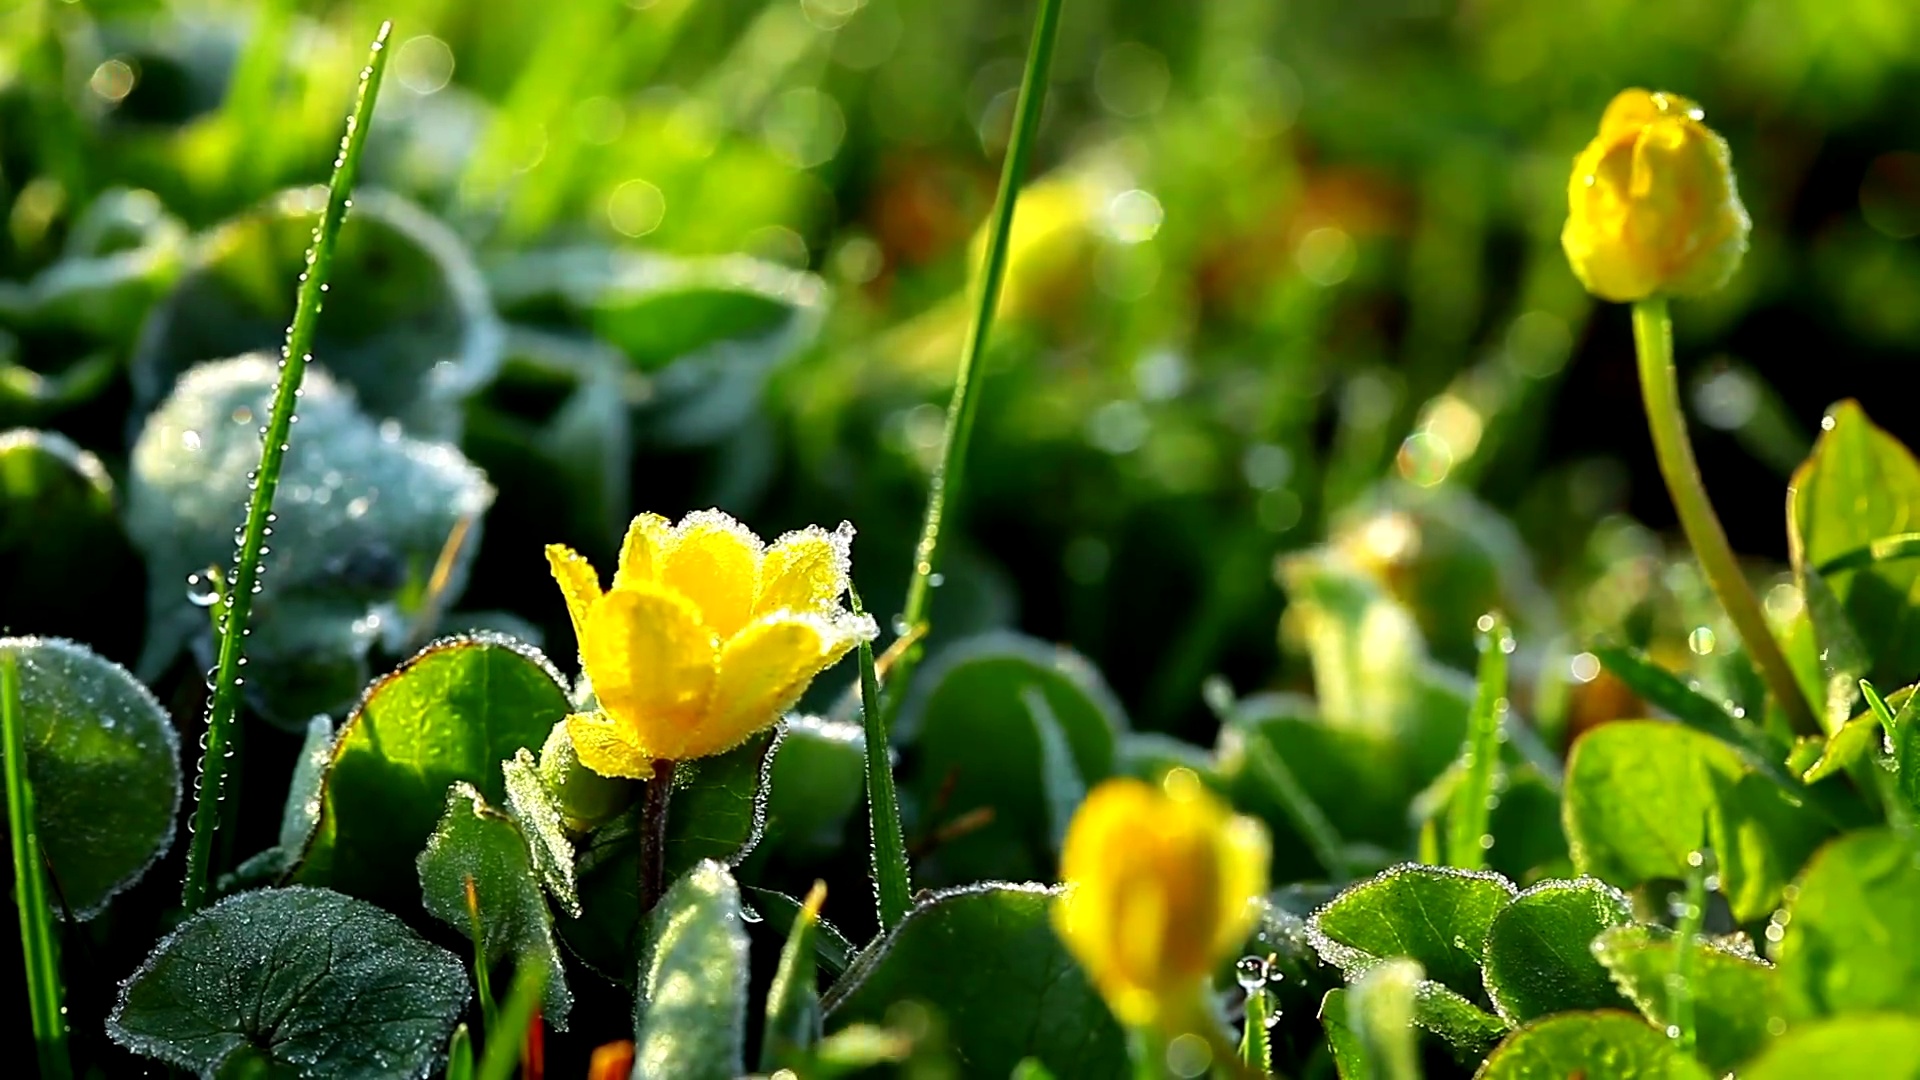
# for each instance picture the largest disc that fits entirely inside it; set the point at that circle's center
(692, 1000)
(452, 713)
(1435, 915)
(1540, 956)
(977, 748)
(1870, 1047)
(407, 324)
(1615, 1045)
(361, 522)
(104, 763)
(1850, 943)
(817, 783)
(321, 984)
(986, 959)
(1735, 994)
(63, 556)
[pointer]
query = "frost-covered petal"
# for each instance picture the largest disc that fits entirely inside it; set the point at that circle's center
(805, 571)
(764, 669)
(640, 552)
(607, 747)
(579, 584)
(652, 663)
(714, 561)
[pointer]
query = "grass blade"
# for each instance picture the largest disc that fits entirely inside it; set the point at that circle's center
(966, 395)
(37, 944)
(244, 581)
(1480, 758)
(892, 878)
(509, 1042)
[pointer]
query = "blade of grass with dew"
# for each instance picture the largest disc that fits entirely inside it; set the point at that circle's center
(892, 877)
(244, 582)
(37, 944)
(507, 1038)
(1467, 818)
(966, 383)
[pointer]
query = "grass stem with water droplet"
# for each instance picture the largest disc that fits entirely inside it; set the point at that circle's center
(1680, 980)
(237, 603)
(892, 876)
(966, 384)
(1467, 818)
(1660, 391)
(38, 945)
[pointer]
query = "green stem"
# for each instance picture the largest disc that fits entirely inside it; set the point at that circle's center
(892, 876)
(1256, 1046)
(1467, 821)
(966, 384)
(1660, 388)
(37, 943)
(237, 598)
(655, 803)
(482, 973)
(1680, 980)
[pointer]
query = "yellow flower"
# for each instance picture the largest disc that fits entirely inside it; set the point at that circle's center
(706, 637)
(1160, 889)
(1652, 205)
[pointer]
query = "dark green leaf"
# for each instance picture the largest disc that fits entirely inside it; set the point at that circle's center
(1849, 944)
(363, 517)
(1060, 778)
(1662, 688)
(976, 748)
(793, 999)
(1859, 485)
(299, 817)
(693, 987)
(104, 764)
(1351, 782)
(986, 959)
(1597, 1044)
(476, 847)
(321, 983)
(817, 784)
(1434, 915)
(1643, 795)
(1466, 1027)
(537, 811)
(1735, 994)
(1868, 1047)
(1528, 839)
(454, 712)
(1540, 956)
(832, 950)
(717, 813)
(64, 560)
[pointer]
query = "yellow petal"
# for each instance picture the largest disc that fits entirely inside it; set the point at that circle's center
(640, 553)
(652, 663)
(763, 671)
(805, 571)
(714, 561)
(578, 583)
(605, 747)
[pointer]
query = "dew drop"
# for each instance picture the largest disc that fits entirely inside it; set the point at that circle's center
(1250, 972)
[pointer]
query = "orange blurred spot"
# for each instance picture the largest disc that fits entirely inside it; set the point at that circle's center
(613, 1061)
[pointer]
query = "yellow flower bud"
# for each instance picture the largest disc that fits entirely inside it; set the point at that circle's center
(1160, 888)
(1652, 204)
(706, 637)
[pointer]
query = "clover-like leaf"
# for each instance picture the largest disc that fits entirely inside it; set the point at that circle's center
(317, 984)
(1577, 1043)
(1540, 949)
(1435, 915)
(1849, 943)
(1734, 995)
(104, 763)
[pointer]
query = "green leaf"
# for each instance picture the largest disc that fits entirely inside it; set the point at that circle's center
(693, 988)
(453, 712)
(104, 764)
(1540, 956)
(300, 815)
(1611, 1044)
(1382, 1004)
(1660, 687)
(1883, 1047)
(986, 959)
(480, 848)
(1849, 943)
(793, 1022)
(1336, 1019)
(64, 559)
(1528, 839)
(1436, 916)
(1735, 994)
(321, 983)
(1060, 779)
(817, 784)
(831, 948)
(1466, 1027)
(361, 522)
(1642, 795)
(408, 323)
(717, 812)
(1859, 485)
(537, 811)
(977, 748)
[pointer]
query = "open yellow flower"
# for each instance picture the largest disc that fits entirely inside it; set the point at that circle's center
(1652, 204)
(1160, 888)
(705, 638)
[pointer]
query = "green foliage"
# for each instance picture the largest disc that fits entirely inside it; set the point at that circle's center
(1844, 948)
(317, 983)
(1540, 957)
(1569, 1043)
(692, 991)
(1735, 994)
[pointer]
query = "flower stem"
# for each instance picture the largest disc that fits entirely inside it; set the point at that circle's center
(653, 835)
(966, 384)
(1660, 388)
(892, 877)
(236, 600)
(37, 943)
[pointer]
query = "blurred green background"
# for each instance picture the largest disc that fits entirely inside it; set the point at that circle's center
(1287, 270)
